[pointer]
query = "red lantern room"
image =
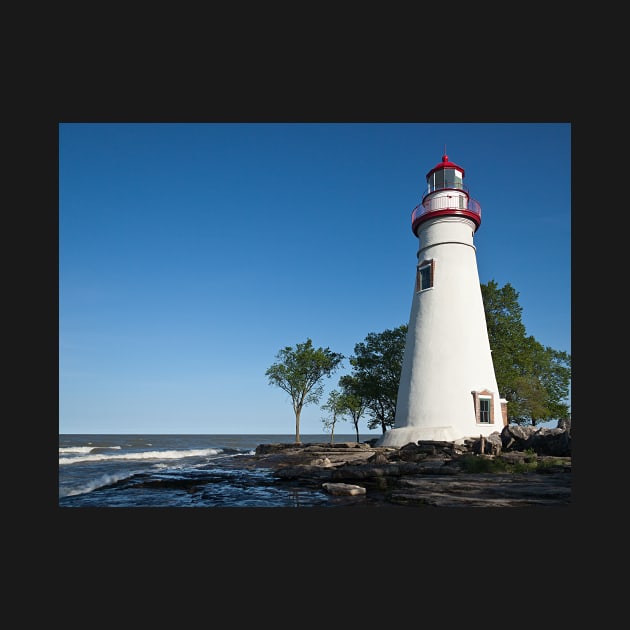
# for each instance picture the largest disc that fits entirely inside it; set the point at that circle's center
(445, 195)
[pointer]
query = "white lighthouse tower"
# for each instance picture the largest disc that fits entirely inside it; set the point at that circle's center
(448, 390)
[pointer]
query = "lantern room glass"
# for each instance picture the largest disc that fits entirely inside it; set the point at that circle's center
(445, 178)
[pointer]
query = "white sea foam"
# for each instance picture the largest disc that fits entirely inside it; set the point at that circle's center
(94, 484)
(99, 457)
(83, 449)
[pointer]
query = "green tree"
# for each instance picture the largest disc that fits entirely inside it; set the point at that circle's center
(376, 366)
(335, 406)
(506, 331)
(351, 400)
(534, 379)
(299, 371)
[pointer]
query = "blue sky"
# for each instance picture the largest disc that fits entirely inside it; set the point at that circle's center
(190, 254)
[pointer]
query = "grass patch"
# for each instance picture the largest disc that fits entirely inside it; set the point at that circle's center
(480, 464)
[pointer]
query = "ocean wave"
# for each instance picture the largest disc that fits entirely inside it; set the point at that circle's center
(94, 484)
(84, 449)
(173, 454)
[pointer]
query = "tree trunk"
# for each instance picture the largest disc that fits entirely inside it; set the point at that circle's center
(297, 426)
(356, 426)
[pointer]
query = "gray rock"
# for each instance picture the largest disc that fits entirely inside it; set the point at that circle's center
(432, 474)
(343, 489)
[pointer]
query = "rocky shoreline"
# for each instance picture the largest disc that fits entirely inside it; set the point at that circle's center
(430, 474)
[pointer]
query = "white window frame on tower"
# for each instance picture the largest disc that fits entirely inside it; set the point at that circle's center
(484, 416)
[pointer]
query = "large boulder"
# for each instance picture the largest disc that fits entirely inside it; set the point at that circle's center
(541, 440)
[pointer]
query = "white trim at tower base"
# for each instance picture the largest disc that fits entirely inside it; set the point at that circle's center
(399, 437)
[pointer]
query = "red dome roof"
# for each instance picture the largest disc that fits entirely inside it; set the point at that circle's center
(445, 164)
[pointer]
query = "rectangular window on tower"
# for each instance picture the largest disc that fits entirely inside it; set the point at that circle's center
(484, 407)
(424, 275)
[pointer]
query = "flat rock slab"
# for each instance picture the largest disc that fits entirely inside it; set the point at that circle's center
(484, 490)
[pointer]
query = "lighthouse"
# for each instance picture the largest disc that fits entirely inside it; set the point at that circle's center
(448, 389)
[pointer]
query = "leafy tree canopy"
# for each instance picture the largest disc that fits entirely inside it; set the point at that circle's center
(299, 371)
(335, 406)
(534, 379)
(376, 366)
(352, 402)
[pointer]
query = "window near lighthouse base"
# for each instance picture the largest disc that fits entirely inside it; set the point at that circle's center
(424, 275)
(484, 409)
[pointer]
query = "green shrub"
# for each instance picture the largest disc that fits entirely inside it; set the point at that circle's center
(548, 463)
(480, 464)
